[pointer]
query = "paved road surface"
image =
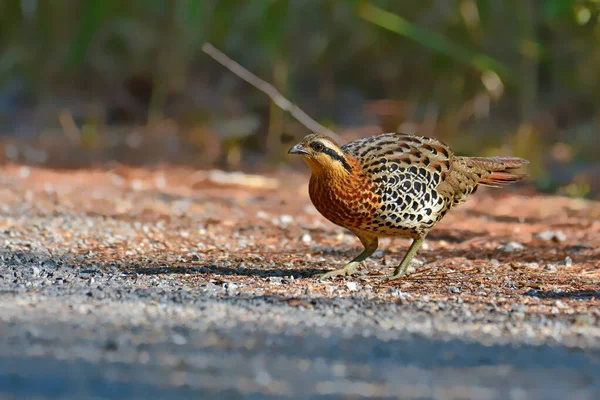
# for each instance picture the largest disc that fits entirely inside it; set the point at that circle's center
(74, 347)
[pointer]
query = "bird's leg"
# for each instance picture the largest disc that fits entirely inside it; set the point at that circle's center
(400, 270)
(370, 244)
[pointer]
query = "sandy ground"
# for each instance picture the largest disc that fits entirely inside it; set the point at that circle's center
(170, 283)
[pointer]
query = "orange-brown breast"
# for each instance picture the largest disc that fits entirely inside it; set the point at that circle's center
(347, 200)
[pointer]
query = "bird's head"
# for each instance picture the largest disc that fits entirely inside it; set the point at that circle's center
(322, 154)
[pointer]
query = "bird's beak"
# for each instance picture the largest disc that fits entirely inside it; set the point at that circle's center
(298, 149)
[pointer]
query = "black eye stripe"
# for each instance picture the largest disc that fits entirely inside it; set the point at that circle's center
(321, 148)
(335, 156)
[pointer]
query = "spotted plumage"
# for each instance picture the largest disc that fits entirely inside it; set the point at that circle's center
(393, 185)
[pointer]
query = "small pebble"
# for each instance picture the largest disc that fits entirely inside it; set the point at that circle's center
(230, 287)
(584, 320)
(550, 235)
(511, 247)
(51, 264)
(306, 238)
(137, 185)
(178, 339)
(532, 265)
(160, 182)
(275, 280)
(286, 219)
(352, 286)
(24, 172)
(263, 378)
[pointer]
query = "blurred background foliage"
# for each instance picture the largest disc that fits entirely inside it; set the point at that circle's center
(89, 81)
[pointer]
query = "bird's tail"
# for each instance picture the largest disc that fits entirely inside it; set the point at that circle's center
(496, 171)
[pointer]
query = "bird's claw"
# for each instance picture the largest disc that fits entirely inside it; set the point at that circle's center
(348, 270)
(393, 277)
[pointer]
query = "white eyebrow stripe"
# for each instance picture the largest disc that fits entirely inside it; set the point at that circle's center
(328, 144)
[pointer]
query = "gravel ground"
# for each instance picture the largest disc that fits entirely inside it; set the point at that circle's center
(172, 283)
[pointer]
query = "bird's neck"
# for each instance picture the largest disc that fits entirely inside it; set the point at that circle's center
(334, 170)
(335, 176)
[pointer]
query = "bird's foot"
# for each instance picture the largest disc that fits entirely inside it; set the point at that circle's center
(398, 274)
(349, 269)
(393, 277)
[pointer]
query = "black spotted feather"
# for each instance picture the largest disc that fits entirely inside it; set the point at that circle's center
(419, 179)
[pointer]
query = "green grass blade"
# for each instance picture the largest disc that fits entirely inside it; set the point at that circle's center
(433, 41)
(94, 12)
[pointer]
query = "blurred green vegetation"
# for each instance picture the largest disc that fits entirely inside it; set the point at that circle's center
(489, 77)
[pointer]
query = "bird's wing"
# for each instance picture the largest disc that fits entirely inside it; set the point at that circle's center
(389, 152)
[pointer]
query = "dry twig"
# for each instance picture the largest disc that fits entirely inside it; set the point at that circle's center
(269, 90)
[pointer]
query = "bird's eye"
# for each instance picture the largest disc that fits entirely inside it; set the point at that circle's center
(318, 146)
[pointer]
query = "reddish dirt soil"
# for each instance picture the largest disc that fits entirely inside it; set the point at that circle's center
(252, 236)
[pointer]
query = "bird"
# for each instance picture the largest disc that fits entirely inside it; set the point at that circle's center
(393, 185)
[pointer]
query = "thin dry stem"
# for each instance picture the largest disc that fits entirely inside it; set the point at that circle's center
(269, 90)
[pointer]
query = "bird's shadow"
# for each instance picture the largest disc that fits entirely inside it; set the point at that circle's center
(575, 294)
(502, 218)
(452, 236)
(148, 266)
(77, 267)
(226, 271)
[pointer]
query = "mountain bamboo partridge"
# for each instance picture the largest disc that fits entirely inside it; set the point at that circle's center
(394, 185)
